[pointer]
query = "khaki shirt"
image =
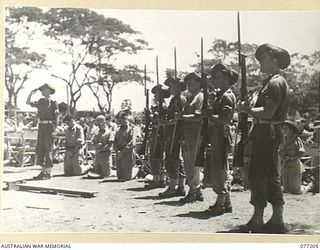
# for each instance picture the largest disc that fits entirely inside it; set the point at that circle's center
(47, 109)
(194, 104)
(125, 138)
(74, 135)
(104, 136)
(276, 89)
(224, 105)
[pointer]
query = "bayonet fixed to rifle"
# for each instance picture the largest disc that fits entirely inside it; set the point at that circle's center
(200, 161)
(160, 101)
(146, 115)
(177, 122)
(160, 110)
(243, 117)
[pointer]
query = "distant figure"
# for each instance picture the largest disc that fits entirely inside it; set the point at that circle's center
(92, 130)
(74, 142)
(48, 115)
(124, 144)
(291, 150)
(83, 124)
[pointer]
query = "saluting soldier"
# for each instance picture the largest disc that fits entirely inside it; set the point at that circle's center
(173, 137)
(48, 114)
(157, 139)
(192, 123)
(219, 136)
(270, 109)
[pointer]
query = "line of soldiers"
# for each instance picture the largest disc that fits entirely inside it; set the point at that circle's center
(176, 137)
(177, 133)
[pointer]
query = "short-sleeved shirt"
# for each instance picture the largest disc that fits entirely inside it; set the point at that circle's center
(175, 106)
(74, 135)
(124, 136)
(277, 90)
(194, 104)
(103, 136)
(224, 104)
(292, 147)
(47, 109)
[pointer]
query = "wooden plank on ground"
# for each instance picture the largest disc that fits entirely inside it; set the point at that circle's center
(53, 190)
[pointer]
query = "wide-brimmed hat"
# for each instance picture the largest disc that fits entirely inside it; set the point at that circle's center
(292, 125)
(46, 85)
(230, 72)
(164, 90)
(282, 56)
(191, 76)
(183, 85)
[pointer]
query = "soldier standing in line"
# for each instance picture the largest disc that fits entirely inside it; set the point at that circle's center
(102, 141)
(219, 137)
(48, 114)
(157, 139)
(270, 110)
(173, 137)
(74, 155)
(191, 137)
(124, 144)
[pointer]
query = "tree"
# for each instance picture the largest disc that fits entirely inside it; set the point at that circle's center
(89, 39)
(20, 60)
(227, 53)
(302, 75)
(102, 86)
(171, 73)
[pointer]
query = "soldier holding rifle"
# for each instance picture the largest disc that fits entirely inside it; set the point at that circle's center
(157, 139)
(219, 137)
(192, 123)
(270, 109)
(173, 136)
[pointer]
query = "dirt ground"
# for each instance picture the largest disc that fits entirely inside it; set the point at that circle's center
(128, 207)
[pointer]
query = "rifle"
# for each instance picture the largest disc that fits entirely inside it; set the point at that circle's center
(143, 150)
(200, 160)
(161, 110)
(177, 122)
(243, 117)
(179, 105)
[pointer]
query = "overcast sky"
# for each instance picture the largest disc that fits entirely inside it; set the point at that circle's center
(164, 30)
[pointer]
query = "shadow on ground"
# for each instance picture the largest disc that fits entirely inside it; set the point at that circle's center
(149, 197)
(170, 203)
(202, 215)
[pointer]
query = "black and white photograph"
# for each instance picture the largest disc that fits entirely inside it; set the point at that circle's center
(160, 121)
